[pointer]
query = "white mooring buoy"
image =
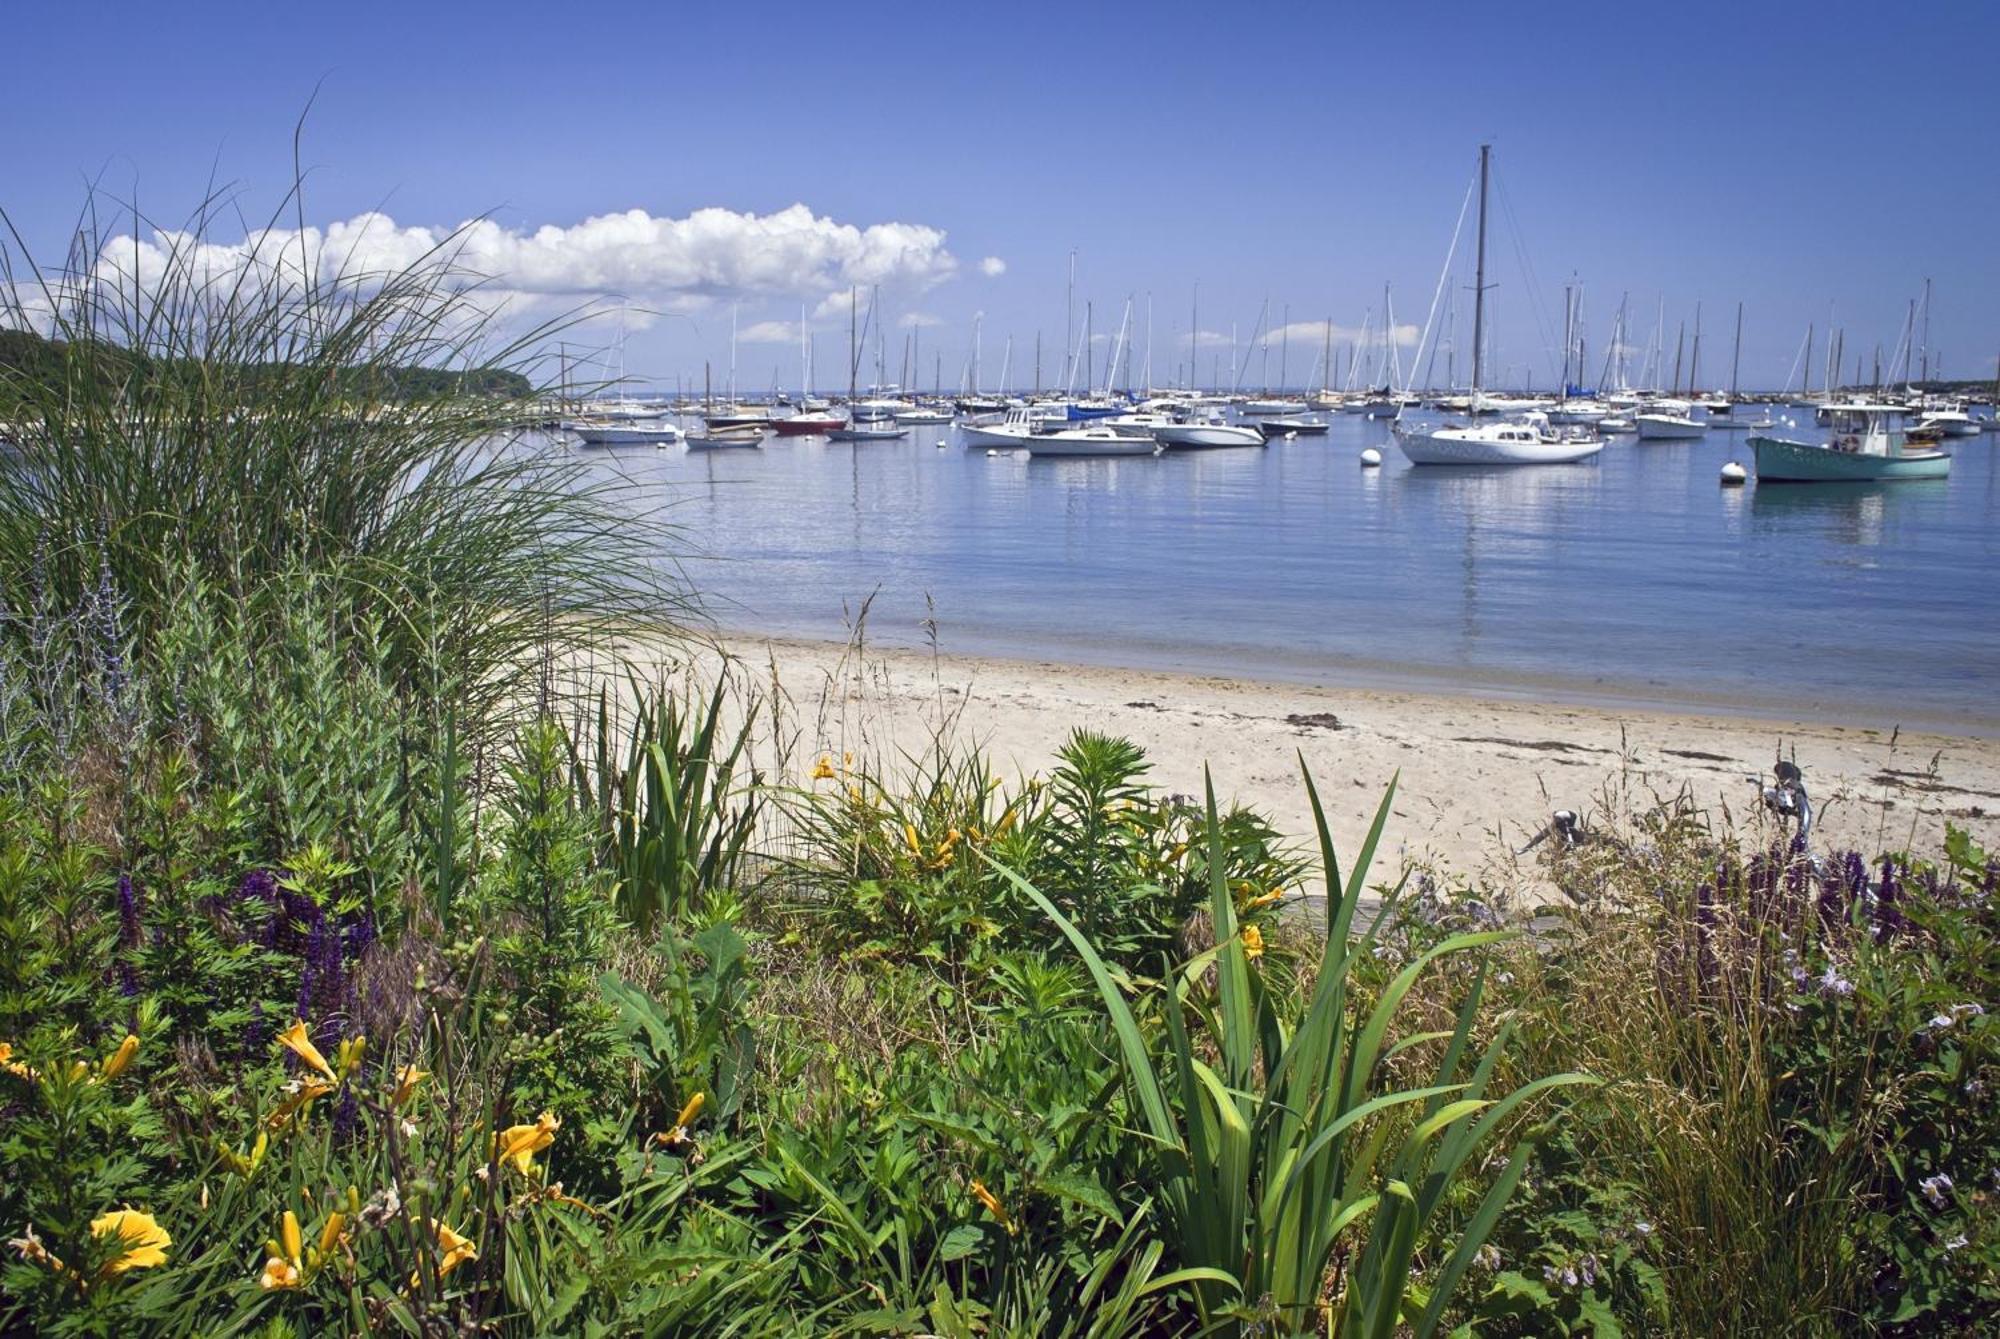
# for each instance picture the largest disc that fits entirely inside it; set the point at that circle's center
(1370, 458)
(1734, 475)
(992, 451)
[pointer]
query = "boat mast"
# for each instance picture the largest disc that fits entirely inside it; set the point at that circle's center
(1569, 341)
(1326, 358)
(1194, 335)
(853, 345)
(1069, 326)
(1680, 347)
(1694, 362)
(1479, 277)
(1926, 374)
(1806, 385)
(1736, 358)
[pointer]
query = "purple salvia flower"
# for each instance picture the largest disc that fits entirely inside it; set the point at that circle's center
(129, 932)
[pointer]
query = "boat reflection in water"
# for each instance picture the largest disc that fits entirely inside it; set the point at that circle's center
(1855, 514)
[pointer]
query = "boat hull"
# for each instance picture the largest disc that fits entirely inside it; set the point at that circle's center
(1206, 436)
(632, 435)
(1780, 461)
(1444, 447)
(1666, 428)
(805, 427)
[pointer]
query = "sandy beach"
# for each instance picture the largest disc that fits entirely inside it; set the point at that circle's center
(1477, 777)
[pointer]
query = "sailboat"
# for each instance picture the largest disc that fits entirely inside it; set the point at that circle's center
(1530, 440)
(855, 429)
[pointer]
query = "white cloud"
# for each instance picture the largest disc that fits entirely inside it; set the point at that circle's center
(632, 258)
(920, 319)
(1314, 332)
(993, 267)
(769, 332)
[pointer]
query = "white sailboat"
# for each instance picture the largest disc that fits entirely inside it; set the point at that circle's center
(1529, 441)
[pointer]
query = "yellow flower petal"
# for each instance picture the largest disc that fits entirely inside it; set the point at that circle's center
(1253, 941)
(407, 1080)
(517, 1145)
(115, 1063)
(143, 1239)
(278, 1274)
(296, 1039)
(691, 1110)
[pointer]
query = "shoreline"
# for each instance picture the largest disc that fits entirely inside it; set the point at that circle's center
(1478, 774)
(1321, 673)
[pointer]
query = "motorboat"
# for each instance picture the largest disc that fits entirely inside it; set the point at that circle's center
(1528, 440)
(1620, 424)
(1668, 420)
(918, 415)
(1276, 405)
(1865, 443)
(1210, 433)
(628, 432)
(1012, 431)
(1291, 427)
(1952, 421)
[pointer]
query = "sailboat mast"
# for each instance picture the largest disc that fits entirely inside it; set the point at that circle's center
(1926, 374)
(1479, 276)
(1694, 362)
(1194, 336)
(1326, 360)
(1736, 358)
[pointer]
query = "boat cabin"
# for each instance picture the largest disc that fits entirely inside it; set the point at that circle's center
(1865, 429)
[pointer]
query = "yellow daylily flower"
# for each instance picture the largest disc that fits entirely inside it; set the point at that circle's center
(910, 836)
(457, 1250)
(1253, 941)
(1264, 899)
(140, 1234)
(407, 1080)
(115, 1063)
(517, 1145)
(329, 1235)
(278, 1274)
(992, 1205)
(303, 1093)
(299, 1042)
(677, 1136)
(289, 1236)
(823, 770)
(11, 1065)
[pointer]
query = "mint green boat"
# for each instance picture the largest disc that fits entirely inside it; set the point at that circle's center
(1867, 443)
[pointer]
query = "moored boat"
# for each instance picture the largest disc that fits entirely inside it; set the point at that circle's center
(628, 432)
(1866, 443)
(1529, 440)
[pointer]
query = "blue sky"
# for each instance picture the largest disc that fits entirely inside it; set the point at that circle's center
(1801, 159)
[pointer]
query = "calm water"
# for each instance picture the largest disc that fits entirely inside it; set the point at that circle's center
(1634, 579)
